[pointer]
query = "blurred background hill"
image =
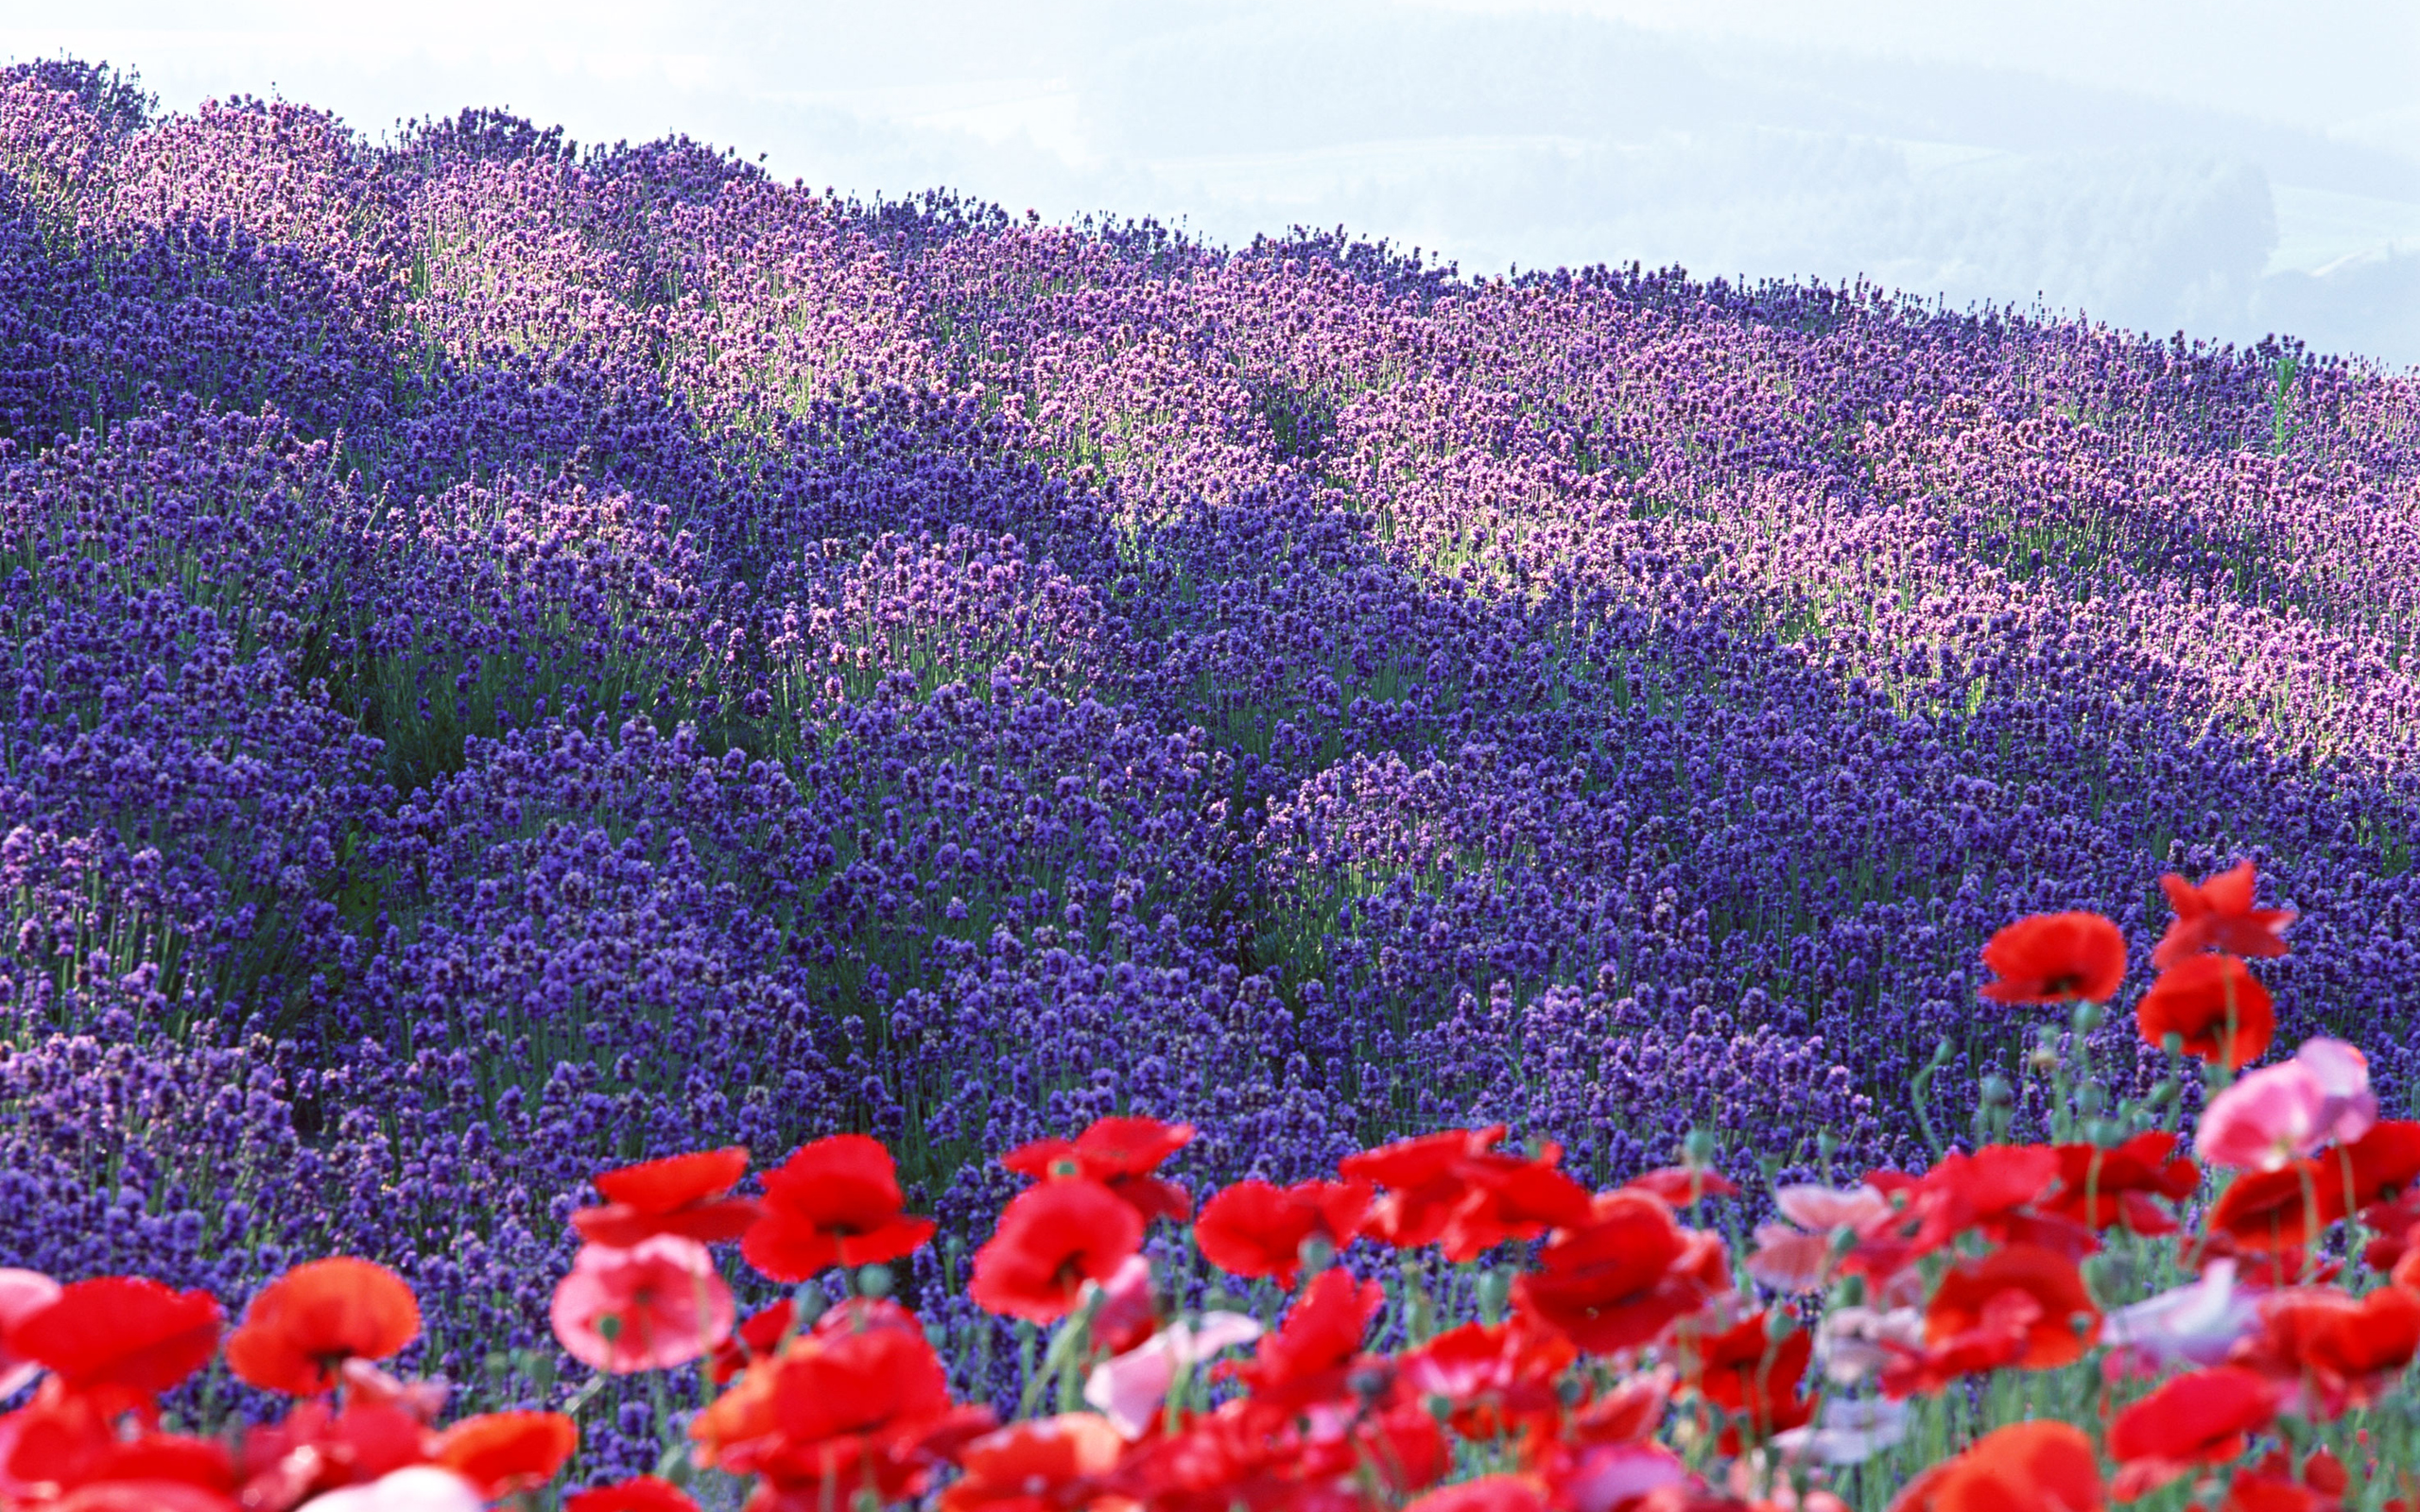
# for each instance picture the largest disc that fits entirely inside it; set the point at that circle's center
(2201, 166)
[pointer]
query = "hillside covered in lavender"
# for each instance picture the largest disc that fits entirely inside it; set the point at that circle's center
(521, 657)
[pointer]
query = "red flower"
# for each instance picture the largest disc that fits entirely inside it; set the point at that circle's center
(1618, 1278)
(1051, 1239)
(302, 1327)
(2274, 1485)
(1454, 1191)
(2331, 1350)
(1494, 1376)
(759, 1334)
(2377, 1166)
(2200, 1419)
(641, 1493)
(2219, 915)
(126, 1337)
(2100, 1187)
(1683, 1186)
(860, 1404)
(2268, 1211)
(834, 1202)
(1039, 1466)
(684, 1194)
(2195, 1000)
(2046, 957)
(1983, 1193)
(317, 1448)
(2029, 1467)
(1747, 1372)
(502, 1452)
(649, 1308)
(1254, 1229)
(1307, 1359)
(71, 1444)
(1121, 1154)
(2065, 1323)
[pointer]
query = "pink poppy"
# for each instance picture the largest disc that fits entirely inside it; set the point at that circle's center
(651, 1307)
(2195, 1324)
(413, 1489)
(1129, 1389)
(2281, 1113)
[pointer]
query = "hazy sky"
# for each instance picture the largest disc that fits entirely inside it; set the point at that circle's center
(2161, 164)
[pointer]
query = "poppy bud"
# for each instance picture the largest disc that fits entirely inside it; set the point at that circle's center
(874, 1280)
(2089, 1017)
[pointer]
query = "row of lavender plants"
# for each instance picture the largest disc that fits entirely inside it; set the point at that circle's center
(527, 658)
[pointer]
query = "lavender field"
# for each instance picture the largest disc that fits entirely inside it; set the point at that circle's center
(525, 656)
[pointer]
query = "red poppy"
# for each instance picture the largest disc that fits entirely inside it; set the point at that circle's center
(1491, 1376)
(1121, 1154)
(1994, 1337)
(2038, 1467)
(2396, 1228)
(63, 1442)
(302, 1327)
(1683, 1186)
(2377, 1166)
(1050, 1240)
(2067, 1322)
(1627, 1412)
(2046, 957)
(1039, 1466)
(2099, 1186)
(1455, 1191)
(1747, 1372)
(2273, 1485)
(683, 1194)
(1308, 1358)
(759, 1334)
(2270, 1211)
(2200, 1419)
(2219, 915)
(863, 1406)
(2331, 1349)
(1618, 1280)
(2195, 1000)
(834, 1202)
(503, 1452)
(641, 1493)
(1984, 1193)
(1254, 1229)
(317, 1448)
(127, 1337)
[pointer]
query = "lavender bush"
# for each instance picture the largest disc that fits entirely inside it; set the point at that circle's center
(523, 657)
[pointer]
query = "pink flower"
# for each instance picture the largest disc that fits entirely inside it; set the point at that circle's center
(1848, 1432)
(653, 1306)
(413, 1489)
(1128, 1390)
(1857, 1341)
(1788, 1261)
(2278, 1114)
(1616, 1475)
(2194, 1323)
(1826, 1209)
(21, 1292)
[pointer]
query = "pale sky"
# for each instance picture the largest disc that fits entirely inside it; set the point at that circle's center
(2203, 164)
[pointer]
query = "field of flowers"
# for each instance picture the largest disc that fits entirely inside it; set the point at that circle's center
(527, 658)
